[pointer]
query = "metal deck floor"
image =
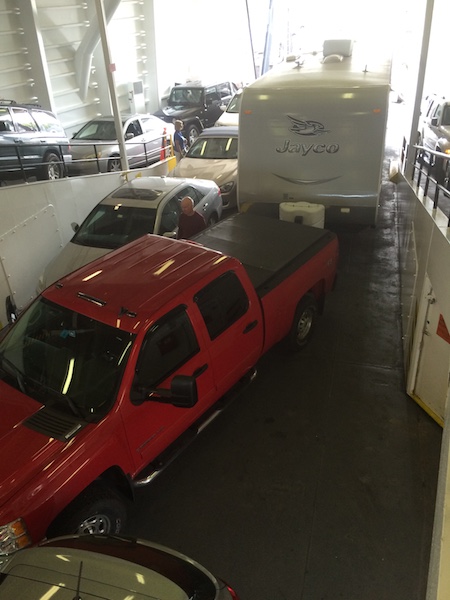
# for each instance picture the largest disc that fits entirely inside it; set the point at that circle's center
(319, 482)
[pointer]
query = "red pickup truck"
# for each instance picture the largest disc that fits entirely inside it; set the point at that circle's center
(116, 367)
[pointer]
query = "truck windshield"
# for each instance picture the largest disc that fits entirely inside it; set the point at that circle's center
(65, 359)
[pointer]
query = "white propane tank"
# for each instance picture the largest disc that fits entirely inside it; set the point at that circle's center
(303, 212)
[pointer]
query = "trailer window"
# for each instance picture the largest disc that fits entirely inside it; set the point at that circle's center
(221, 303)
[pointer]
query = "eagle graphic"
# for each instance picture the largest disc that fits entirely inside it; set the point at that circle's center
(309, 128)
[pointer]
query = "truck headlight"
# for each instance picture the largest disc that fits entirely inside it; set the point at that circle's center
(13, 537)
(227, 187)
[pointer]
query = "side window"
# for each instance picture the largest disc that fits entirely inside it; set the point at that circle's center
(196, 195)
(224, 90)
(212, 96)
(25, 122)
(47, 122)
(221, 303)
(6, 123)
(446, 116)
(169, 217)
(169, 343)
(134, 128)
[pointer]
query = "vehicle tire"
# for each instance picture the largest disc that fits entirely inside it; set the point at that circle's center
(52, 169)
(114, 164)
(213, 219)
(98, 509)
(192, 133)
(420, 154)
(439, 168)
(304, 323)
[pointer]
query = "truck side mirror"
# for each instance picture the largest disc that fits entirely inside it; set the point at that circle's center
(183, 390)
(182, 393)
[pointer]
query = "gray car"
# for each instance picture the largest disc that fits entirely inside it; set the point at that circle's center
(143, 205)
(32, 143)
(93, 567)
(95, 148)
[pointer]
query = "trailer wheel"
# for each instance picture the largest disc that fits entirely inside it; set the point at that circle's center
(304, 323)
(98, 509)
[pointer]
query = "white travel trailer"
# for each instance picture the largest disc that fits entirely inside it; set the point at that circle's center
(314, 132)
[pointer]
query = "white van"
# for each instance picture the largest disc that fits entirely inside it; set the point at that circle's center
(314, 132)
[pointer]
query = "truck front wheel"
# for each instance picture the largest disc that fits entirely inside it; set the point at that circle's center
(192, 133)
(303, 323)
(98, 509)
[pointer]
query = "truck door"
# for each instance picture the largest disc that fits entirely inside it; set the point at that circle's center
(234, 328)
(170, 347)
(212, 107)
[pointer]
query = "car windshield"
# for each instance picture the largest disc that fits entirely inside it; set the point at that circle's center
(65, 359)
(235, 103)
(214, 147)
(185, 96)
(112, 226)
(104, 131)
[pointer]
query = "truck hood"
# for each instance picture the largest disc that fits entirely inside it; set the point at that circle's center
(24, 451)
(169, 113)
(219, 170)
(72, 257)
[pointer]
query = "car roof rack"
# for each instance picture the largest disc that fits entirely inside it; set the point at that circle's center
(6, 102)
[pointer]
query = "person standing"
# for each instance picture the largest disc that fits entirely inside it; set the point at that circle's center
(190, 221)
(179, 141)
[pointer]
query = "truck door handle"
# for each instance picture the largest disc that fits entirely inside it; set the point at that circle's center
(250, 326)
(200, 370)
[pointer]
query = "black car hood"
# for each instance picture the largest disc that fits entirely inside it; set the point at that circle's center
(169, 113)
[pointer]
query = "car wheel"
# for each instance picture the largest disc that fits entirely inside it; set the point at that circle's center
(192, 133)
(212, 219)
(439, 168)
(98, 509)
(304, 323)
(114, 164)
(52, 168)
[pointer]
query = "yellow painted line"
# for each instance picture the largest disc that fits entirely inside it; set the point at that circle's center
(439, 420)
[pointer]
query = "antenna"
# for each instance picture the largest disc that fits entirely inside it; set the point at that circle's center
(77, 593)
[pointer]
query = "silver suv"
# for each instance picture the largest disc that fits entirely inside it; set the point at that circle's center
(32, 143)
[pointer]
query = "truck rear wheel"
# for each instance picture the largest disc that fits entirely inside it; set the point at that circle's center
(52, 168)
(98, 509)
(303, 323)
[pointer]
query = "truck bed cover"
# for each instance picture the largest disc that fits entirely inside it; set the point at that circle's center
(269, 249)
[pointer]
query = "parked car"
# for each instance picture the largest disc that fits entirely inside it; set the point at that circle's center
(99, 566)
(143, 205)
(95, 148)
(198, 106)
(434, 132)
(230, 115)
(213, 155)
(32, 142)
